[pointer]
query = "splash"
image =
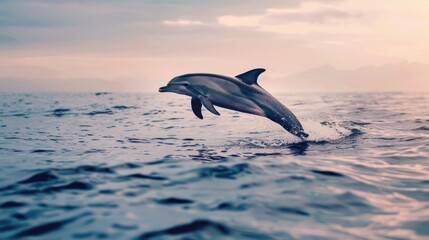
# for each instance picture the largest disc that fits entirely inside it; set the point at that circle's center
(275, 137)
(324, 131)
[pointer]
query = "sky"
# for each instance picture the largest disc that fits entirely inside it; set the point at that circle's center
(140, 45)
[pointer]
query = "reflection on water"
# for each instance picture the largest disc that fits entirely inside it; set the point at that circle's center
(142, 166)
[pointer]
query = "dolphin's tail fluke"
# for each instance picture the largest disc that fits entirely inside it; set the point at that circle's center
(302, 135)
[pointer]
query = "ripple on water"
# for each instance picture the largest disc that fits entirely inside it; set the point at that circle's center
(48, 227)
(210, 227)
(59, 112)
(227, 172)
(328, 173)
(292, 210)
(96, 169)
(75, 185)
(100, 112)
(40, 177)
(231, 206)
(422, 128)
(419, 227)
(122, 107)
(143, 176)
(42, 151)
(174, 201)
(12, 204)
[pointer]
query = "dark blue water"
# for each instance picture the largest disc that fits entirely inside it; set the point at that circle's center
(142, 166)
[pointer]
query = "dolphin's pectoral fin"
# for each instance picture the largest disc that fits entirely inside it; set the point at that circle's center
(196, 107)
(208, 104)
(251, 77)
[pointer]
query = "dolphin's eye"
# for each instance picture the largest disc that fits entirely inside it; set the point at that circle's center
(185, 84)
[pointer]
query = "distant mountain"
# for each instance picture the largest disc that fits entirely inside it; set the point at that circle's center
(403, 76)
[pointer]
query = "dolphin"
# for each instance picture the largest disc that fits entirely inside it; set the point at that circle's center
(240, 93)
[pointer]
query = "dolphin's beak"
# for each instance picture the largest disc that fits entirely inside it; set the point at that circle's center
(163, 89)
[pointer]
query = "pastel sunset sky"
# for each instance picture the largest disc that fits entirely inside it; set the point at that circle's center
(140, 45)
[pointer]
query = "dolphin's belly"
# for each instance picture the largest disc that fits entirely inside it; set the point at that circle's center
(235, 102)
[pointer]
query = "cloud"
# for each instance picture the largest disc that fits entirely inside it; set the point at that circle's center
(240, 21)
(105, 26)
(182, 22)
(306, 14)
(320, 16)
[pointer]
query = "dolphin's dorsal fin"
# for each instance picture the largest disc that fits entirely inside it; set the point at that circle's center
(196, 107)
(251, 77)
(208, 104)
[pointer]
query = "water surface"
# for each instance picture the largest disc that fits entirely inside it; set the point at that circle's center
(142, 166)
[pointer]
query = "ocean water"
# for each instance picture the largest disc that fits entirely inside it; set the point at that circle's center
(142, 166)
